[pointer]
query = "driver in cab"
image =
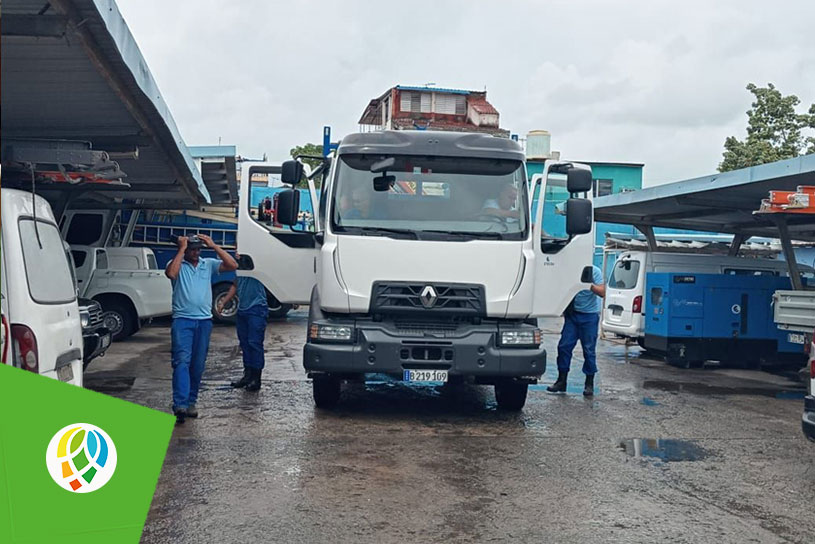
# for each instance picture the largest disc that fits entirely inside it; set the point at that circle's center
(504, 206)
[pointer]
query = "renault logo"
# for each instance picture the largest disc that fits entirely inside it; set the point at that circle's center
(428, 296)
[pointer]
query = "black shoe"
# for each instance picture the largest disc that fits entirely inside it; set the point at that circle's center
(180, 415)
(560, 385)
(244, 380)
(192, 411)
(588, 390)
(254, 384)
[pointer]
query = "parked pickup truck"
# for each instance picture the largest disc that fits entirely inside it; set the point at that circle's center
(96, 337)
(128, 297)
(794, 311)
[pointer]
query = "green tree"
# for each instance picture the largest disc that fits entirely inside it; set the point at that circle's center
(774, 131)
(309, 149)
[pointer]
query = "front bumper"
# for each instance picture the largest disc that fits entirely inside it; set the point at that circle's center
(808, 419)
(95, 344)
(469, 351)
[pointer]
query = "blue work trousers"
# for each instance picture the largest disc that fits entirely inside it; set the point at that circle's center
(583, 327)
(251, 327)
(190, 343)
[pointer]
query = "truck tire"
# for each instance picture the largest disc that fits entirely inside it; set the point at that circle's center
(326, 391)
(510, 395)
(119, 319)
(277, 310)
(229, 315)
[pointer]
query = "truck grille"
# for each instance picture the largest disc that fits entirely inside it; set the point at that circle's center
(428, 298)
(95, 312)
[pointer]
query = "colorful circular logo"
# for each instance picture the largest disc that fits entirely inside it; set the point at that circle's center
(81, 458)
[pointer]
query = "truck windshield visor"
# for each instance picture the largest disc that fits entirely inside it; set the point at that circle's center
(431, 196)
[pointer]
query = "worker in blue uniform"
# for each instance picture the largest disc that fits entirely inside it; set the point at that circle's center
(253, 310)
(580, 322)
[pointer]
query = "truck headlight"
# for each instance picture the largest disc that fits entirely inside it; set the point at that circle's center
(331, 333)
(84, 318)
(521, 339)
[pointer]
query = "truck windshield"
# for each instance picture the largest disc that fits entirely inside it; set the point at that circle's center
(428, 197)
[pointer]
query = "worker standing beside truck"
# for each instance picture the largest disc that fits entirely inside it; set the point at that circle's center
(192, 317)
(251, 326)
(581, 320)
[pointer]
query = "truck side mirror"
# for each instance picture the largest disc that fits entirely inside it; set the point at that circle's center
(291, 172)
(587, 276)
(288, 206)
(578, 216)
(578, 179)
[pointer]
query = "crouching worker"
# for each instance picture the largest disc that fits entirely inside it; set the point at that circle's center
(580, 322)
(191, 277)
(251, 325)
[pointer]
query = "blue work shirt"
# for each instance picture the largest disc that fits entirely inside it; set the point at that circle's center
(250, 293)
(587, 302)
(192, 289)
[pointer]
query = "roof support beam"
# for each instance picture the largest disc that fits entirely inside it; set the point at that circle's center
(35, 26)
(789, 253)
(648, 231)
(735, 245)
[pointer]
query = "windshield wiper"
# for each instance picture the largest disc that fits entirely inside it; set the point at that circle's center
(468, 234)
(378, 231)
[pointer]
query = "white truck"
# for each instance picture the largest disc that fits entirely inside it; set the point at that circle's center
(427, 262)
(129, 296)
(794, 311)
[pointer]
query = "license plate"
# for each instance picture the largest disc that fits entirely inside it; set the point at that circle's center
(617, 311)
(65, 373)
(425, 376)
(796, 338)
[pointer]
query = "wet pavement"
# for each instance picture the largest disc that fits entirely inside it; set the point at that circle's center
(659, 454)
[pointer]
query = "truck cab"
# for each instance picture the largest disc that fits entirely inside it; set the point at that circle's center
(426, 261)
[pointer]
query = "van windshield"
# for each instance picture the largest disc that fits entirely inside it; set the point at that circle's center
(431, 197)
(47, 269)
(625, 274)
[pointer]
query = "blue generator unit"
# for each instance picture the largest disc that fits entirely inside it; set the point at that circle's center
(692, 318)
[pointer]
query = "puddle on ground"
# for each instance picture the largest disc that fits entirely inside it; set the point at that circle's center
(705, 389)
(108, 384)
(664, 449)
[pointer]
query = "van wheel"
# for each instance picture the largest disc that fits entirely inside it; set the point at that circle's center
(326, 391)
(229, 315)
(510, 395)
(119, 319)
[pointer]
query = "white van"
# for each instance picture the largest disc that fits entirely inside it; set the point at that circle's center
(39, 296)
(625, 303)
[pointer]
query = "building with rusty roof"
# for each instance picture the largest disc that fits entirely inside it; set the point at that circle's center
(432, 108)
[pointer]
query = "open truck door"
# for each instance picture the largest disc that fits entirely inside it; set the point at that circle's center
(563, 234)
(283, 250)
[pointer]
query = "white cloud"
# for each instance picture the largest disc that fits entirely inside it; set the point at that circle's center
(647, 81)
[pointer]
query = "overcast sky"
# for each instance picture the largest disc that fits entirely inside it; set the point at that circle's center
(651, 81)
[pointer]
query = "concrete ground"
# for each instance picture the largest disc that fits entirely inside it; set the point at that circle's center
(659, 454)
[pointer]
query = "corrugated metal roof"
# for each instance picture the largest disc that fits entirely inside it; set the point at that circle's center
(722, 202)
(433, 89)
(72, 70)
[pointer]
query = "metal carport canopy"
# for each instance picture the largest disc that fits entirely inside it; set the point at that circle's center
(72, 70)
(722, 202)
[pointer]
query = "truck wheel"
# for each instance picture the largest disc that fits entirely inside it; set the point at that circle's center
(326, 391)
(277, 310)
(229, 315)
(118, 318)
(510, 395)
